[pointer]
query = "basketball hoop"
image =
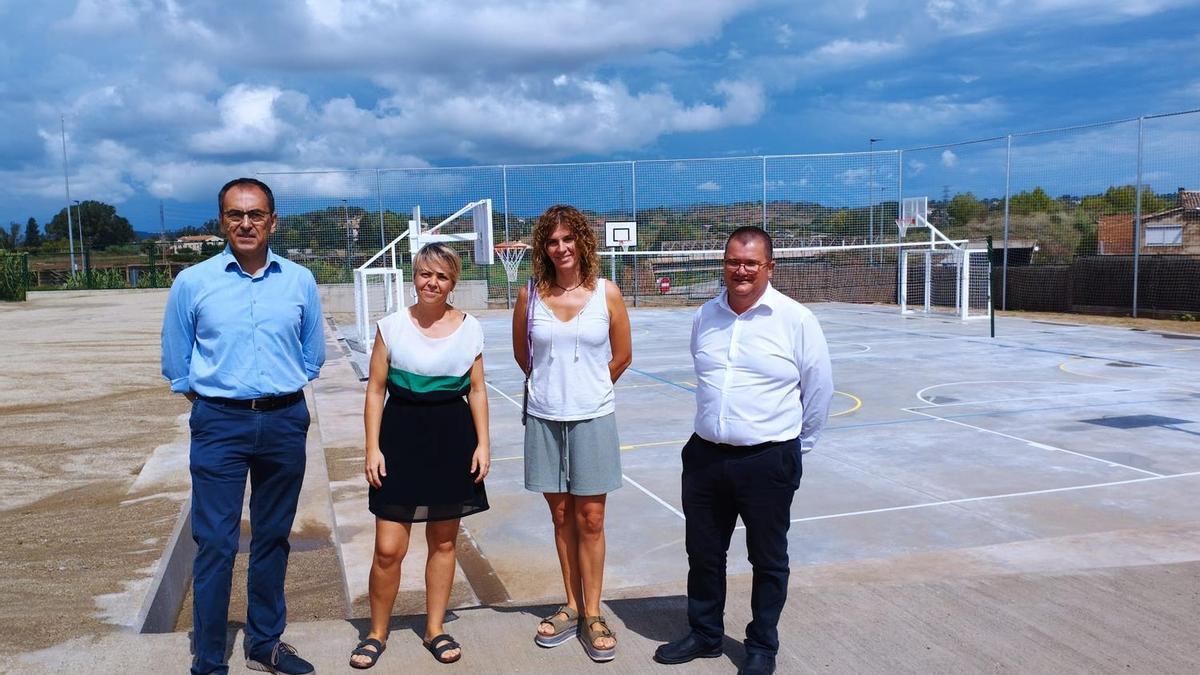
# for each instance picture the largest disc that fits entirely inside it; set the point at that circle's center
(511, 253)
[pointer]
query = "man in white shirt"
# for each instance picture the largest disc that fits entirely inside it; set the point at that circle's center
(764, 383)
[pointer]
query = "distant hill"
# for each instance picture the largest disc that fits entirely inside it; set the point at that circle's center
(145, 235)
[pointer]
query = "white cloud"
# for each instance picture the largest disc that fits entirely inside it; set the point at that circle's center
(102, 16)
(844, 52)
(709, 186)
(964, 17)
(783, 35)
(916, 166)
(248, 123)
(949, 159)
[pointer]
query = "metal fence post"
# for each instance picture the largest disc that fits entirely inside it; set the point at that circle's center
(1007, 190)
(379, 204)
(764, 184)
(504, 189)
(1137, 220)
(633, 196)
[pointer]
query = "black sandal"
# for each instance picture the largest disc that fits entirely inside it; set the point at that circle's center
(361, 650)
(440, 644)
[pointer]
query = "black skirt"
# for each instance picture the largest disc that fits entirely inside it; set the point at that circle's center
(427, 444)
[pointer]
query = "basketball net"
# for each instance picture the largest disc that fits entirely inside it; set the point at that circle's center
(511, 253)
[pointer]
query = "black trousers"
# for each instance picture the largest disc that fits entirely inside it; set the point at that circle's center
(720, 483)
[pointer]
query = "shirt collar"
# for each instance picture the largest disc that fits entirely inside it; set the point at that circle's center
(769, 299)
(273, 261)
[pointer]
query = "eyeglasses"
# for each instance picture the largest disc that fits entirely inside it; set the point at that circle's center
(235, 217)
(751, 266)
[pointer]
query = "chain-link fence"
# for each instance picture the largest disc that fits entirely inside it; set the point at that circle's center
(1101, 218)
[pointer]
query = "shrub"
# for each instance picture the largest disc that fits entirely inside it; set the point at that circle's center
(14, 276)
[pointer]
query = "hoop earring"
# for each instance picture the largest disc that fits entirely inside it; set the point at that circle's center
(450, 300)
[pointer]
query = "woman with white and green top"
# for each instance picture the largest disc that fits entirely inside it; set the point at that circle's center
(427, 447)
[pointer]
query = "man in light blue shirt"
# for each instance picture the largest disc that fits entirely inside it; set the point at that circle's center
(241, 338)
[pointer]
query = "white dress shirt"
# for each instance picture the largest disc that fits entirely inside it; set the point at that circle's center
(762, 375)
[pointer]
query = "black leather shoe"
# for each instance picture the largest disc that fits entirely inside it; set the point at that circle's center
(758, 664)
(684, 650)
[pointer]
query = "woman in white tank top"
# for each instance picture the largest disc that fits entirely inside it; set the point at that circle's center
(574, 343)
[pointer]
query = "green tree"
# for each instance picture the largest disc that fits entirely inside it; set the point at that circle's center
(33, 234)
(1031, 202)
(8, 239)
(100, 226)
(964, 208)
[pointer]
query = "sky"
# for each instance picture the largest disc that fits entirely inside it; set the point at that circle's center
(165, 100)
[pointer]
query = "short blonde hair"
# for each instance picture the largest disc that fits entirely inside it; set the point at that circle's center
(438, 254)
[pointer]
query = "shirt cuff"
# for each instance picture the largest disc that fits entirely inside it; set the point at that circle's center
(181, 385)
(312, 371)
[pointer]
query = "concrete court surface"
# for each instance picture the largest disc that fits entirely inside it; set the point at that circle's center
(1022, 504)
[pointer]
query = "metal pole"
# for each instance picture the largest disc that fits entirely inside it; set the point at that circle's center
(633, 196)
(764, 184)
(871, 209)
(1007, 185)
(991, 308)
(346, 224)
(66, 179)
(1137, 220)
(379, 203)
(507, 237)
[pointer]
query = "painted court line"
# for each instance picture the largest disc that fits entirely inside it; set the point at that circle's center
(632, 482)
(1034, 444)
(653, 496)
(1122, 390)
(967, 500)
(497, 390)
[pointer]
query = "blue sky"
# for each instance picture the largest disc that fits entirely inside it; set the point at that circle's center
(167, 99)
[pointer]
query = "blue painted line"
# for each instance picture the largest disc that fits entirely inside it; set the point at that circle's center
(663, 380)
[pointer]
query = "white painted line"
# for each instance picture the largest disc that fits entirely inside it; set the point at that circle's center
(632, 482)
(497, 390)
(967, 500)
(1033, 443)
(921, 393)
(1029, 493)
(653, 496)
(1121, 390)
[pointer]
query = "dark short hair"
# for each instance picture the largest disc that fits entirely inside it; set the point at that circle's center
(748, 233)
(246, 181)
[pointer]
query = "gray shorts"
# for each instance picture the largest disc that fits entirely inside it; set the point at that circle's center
(581, 457)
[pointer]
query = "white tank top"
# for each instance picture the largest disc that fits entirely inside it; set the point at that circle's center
(570, 379)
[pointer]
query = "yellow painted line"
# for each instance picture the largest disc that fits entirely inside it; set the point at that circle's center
(852, 397)
(1063, 367)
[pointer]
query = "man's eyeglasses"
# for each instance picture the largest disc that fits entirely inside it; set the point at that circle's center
(235, 217)
(751, 266)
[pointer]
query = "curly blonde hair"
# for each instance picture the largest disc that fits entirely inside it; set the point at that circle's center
(585, 246)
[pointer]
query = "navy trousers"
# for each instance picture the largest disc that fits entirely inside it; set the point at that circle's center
(720, 483)
(228, 443)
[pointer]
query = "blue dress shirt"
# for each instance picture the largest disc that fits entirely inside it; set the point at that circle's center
(229, 334)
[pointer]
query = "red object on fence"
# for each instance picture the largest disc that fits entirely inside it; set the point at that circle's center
(664, 285)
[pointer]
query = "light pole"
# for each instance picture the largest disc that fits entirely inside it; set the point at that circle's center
(79, 220)
(62, 120)
(871, 210)
(87, 268)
